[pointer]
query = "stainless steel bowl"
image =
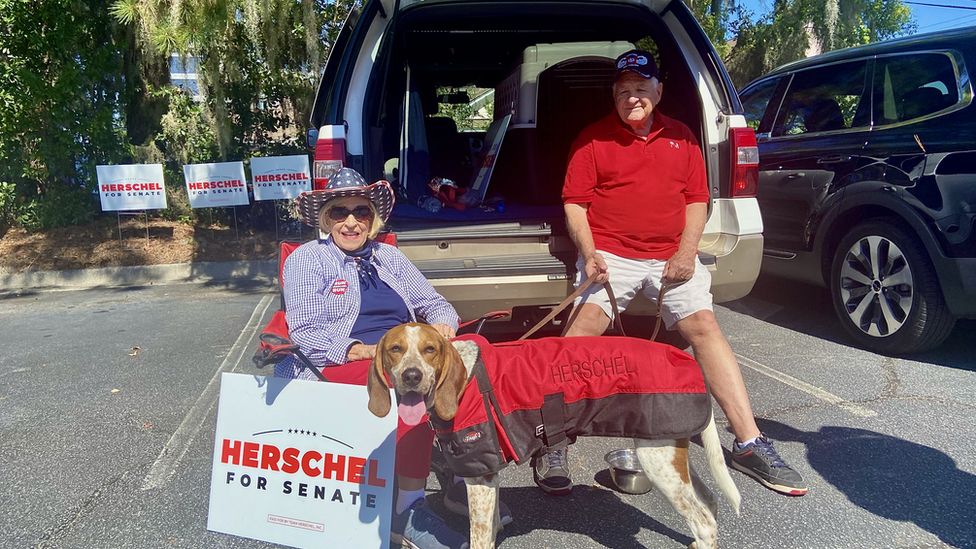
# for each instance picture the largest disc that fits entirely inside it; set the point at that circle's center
(626, 472)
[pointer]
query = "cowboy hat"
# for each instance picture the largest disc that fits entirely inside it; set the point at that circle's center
(346, 182)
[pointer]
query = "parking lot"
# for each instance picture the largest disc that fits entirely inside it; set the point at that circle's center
(108, 404)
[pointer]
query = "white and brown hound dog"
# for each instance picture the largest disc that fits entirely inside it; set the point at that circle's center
(429, 372)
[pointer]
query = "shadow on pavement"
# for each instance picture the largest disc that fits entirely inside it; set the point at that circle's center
(793, 305)
(606, 517)
(891, 477)
(806, 309)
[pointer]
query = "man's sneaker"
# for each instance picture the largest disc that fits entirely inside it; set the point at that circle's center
(551, 472)
(456, 501)
(420, 528)
(760, 461)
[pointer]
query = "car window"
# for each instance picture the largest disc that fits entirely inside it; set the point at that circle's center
(912, 86)
(825, 99)
(755, 99)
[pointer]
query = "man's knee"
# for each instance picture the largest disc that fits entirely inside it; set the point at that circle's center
(587, 320)
(699, 326)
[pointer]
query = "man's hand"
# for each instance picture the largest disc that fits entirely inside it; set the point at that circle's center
(444, 330)
(596, 264)
(679, 268)
(361, 351)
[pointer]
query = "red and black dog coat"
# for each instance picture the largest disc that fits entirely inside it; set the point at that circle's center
(543, 393)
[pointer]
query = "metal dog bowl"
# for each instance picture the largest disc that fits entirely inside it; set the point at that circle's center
(626, 472)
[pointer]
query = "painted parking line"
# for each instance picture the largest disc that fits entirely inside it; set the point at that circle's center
(800, 385)
(173, 451)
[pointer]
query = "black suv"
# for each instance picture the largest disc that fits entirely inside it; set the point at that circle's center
(868, 183)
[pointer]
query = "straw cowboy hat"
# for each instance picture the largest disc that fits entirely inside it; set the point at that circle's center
(346, 182)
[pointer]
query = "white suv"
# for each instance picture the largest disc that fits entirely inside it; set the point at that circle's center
(548, 68)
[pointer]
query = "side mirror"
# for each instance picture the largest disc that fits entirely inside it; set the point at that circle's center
(311, 137)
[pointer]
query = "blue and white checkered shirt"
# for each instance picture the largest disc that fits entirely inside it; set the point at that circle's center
(322, 299)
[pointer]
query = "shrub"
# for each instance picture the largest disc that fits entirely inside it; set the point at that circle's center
(8, 206)
(60, 205)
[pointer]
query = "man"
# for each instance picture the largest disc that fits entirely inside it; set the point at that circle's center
(636, 201)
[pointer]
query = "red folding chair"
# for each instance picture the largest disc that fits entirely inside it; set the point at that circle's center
(276, 344)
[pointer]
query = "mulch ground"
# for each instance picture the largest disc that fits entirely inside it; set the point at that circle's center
(99, 245)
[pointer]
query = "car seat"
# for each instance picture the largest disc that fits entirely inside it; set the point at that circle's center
(823, 115)
(922, 101)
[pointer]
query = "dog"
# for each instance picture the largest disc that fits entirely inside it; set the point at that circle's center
(430, 373)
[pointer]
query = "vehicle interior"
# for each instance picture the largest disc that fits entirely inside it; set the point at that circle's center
(565, 89)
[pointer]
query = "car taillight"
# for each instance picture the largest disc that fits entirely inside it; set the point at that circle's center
(330, 155)
(745, 162)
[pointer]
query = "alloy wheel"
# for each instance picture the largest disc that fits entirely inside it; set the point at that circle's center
(876, 286)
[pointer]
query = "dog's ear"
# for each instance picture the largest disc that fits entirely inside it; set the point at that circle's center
(379, 390)
(450, 383)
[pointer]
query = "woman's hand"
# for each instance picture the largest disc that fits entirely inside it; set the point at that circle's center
(444, 330)
(360, 351)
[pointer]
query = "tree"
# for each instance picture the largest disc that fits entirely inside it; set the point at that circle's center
(259, 60)
(60, 97)
(795, 27)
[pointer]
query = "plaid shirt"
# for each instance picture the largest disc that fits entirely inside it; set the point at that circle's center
(322, 300)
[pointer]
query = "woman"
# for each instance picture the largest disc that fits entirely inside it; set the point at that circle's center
(342, 293)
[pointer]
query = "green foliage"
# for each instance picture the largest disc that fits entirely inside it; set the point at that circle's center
(715, 17)
(60, 206)
(259, 62)
(796, 28)
(188, 134)
(177, 202)
(475, 115)
(8, 205)
(59, 99)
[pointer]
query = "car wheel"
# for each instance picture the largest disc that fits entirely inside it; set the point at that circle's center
(886, 293)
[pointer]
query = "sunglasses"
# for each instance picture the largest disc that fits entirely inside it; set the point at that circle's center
(362, 214)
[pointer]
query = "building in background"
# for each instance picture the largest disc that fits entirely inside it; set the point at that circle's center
(183, 74)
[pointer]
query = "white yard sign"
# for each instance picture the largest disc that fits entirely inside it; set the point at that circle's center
(280, 177)
(301, 463)
(216, 185)
(131, 187)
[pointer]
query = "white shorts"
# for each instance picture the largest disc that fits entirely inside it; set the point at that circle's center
(629, 276)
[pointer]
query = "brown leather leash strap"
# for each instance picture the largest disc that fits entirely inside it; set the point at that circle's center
(569, 299)
(613, 301)
(657, 323)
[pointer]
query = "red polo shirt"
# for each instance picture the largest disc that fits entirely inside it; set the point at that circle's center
(637, 188)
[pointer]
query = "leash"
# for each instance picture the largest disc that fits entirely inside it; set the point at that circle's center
(657, 322)
(569, 299)
(613, 302)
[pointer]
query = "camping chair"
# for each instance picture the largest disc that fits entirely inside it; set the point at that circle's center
(275, 342)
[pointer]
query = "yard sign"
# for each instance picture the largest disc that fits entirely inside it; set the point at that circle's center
(301, 463)
(216, 185)
(280, 177)
(131, 187)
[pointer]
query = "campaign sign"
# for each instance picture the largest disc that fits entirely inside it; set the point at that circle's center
(216, 185)
(280, 177)
(301, 463)
(131, 187)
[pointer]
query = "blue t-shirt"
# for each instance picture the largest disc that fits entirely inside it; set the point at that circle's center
(380, 307)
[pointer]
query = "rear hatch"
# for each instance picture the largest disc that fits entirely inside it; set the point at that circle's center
(548, 66)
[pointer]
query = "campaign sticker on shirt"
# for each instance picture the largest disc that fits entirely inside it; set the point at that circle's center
(340, 286)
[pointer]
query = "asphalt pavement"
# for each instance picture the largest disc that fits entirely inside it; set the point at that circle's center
(107, 414)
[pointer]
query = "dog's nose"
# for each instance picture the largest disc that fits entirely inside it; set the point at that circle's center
(411, 376)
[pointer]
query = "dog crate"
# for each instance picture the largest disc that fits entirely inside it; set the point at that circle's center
(518, 92)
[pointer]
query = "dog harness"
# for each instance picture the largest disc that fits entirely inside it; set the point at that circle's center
(527, 397)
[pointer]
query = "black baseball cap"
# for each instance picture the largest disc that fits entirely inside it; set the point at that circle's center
(638, 62)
